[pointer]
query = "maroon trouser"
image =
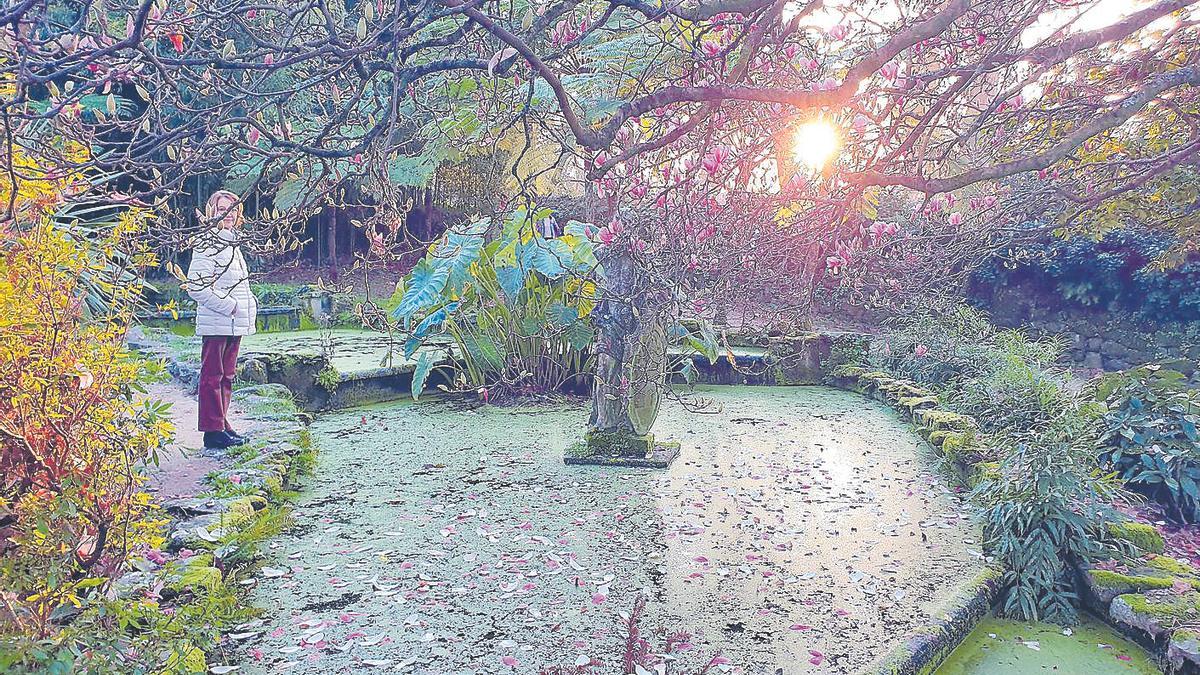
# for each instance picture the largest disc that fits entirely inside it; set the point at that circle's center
(218, 363)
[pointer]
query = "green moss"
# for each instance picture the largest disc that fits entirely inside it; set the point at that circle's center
(983, 472)
(1171, 566)
(241, 510)
(958, 442)
(952, 441)
(900, 389)
(1127, 583)
(1142, 535)
(875, 375)
(913, 402)
(944, 419)
(848, 370)
(618, 443)
(1172, 609)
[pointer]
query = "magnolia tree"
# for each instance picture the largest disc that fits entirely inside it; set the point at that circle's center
(737, 154)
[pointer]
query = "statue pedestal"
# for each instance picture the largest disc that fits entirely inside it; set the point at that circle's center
(611, 448)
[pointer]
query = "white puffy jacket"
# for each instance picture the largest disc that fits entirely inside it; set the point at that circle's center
(219, 282)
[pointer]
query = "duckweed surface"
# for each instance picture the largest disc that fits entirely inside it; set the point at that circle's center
(802, 528)
(1003, 647)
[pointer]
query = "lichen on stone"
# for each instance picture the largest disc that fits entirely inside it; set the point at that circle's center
(618, 443)
(914, 402)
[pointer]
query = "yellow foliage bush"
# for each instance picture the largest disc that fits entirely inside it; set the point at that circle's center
(72, 429)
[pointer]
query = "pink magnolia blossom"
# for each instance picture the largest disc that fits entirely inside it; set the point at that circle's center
(921, 351)
(837, 32)
(890, 70)
(714, 159)
(880, 229)
(610, 232)
(956, 218)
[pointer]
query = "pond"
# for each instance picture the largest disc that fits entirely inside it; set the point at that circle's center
(802, 528)
(1004, 647)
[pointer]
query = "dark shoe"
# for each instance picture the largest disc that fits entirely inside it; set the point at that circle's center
(235, 438)
(217, 440)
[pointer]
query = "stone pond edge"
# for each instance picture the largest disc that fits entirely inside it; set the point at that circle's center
(810, 359)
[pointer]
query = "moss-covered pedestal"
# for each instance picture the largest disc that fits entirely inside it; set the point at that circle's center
(622, 449)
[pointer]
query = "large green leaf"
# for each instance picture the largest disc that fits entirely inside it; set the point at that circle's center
(422, 289)
(512, 281)
(561, 315)
(550, 257)
(579, 335)
(424, 366)
(459, 248)
(290, 193)
(483, 350)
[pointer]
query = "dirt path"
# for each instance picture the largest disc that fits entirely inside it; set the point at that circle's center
(184, 464)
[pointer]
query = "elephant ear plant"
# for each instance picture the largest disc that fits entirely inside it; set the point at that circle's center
(1150, 436)
(502, 310)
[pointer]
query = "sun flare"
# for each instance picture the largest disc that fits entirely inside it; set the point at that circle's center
(816, 143)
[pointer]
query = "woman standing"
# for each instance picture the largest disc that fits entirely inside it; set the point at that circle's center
(219, 282)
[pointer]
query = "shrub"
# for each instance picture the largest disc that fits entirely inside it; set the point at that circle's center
(1119, 271)
(1045, 508)
(1019, 392)
(1004, 379)
(936, 347)
(1150, 436)
(1043, 496)
(71, 432)
(514, 306)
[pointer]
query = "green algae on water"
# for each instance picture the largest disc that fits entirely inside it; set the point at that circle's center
(1005, 647)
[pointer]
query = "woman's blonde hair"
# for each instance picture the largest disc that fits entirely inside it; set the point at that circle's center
(212, 209)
